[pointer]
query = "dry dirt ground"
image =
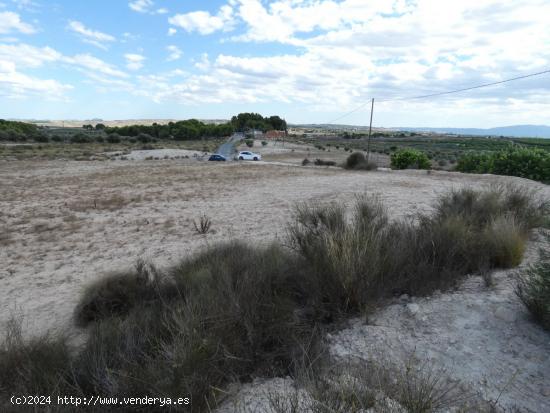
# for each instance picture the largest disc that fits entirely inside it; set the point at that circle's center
(64, 224)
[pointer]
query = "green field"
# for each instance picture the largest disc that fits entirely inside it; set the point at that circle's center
(444, 148)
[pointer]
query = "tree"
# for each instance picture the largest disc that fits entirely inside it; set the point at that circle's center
(100, 126)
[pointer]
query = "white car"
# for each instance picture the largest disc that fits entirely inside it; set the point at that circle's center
(248, 156)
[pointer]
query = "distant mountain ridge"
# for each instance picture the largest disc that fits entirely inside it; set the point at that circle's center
(520, 131)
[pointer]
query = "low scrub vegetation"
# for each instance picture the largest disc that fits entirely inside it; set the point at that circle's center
(236, 311)
(322, 162)
(523, 162)
(358, 161)
(356, 387)
(534, 289)
(203, 226)
(410, 159)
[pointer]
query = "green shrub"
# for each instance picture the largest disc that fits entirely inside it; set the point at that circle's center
(523, 162)
(57, 138)
(534, 289)
(35, 367)
(116, 294)
(409, 159)
(357, 161)
(144, 138)
(264, 143)
(41, 138)
(322, 162)
(506, 242)
(113, 138)
(249, 143)
(80, 138)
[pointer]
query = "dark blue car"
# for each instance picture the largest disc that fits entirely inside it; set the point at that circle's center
(216, 158)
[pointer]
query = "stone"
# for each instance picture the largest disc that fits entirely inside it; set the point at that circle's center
(404, 298)
(505, 314)
(413, 309)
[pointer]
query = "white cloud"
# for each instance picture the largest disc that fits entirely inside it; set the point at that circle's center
(11, 22)
(94, 65)
(28, 5)
(24, 55)
(134, 61)
(14, 84)
(348, 51)
(146, 6)
(93, 37)
(172, 31)
(203, 22)
(175, 53)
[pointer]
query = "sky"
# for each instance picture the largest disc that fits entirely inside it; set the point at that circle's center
(309, 61)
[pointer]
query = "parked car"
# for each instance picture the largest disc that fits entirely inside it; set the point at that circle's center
(248, 156)
(217, 157)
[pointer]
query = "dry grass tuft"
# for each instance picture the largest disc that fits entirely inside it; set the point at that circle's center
(203, 226)
(533, 288)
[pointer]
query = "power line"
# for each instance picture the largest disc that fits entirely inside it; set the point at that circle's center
(442, 93)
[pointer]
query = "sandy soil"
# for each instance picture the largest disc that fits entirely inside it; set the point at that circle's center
(66, 223)
(63, 224)
(293, 153)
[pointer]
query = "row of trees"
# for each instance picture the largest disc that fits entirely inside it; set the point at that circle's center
(182, 130)
(194, 129)
(17, 131)
(247, 121)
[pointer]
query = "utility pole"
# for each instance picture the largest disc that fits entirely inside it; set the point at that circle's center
(370, 130)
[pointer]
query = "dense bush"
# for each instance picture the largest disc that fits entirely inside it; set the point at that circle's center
(534, 289)
(41, 138)
(358, 160)
(322, 162)
(80, 138)
(249, 143)
(409, 159)
(355, 262)
(246, 121)
(181, 130)
(144, 138)
(113, 138)
(17, 131)
(526, 163)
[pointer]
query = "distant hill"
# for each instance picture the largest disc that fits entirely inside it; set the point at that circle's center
(522, 131)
